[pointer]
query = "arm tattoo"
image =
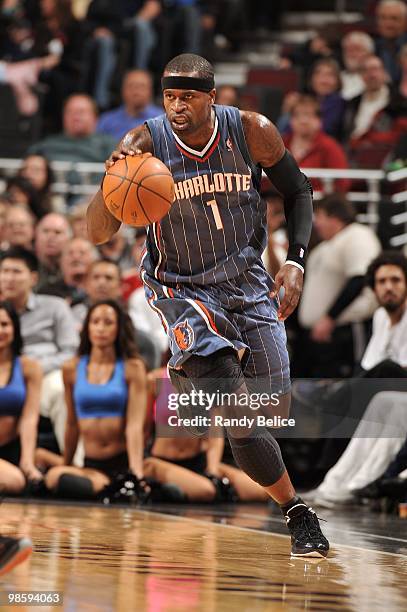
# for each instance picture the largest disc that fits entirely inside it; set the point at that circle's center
(263, 139)
(139, 138)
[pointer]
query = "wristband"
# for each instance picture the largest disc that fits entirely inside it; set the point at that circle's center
(295, 264)
(296, 255)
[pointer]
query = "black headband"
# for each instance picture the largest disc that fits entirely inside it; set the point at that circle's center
(186, 82)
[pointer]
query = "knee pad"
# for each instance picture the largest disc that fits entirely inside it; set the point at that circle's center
(71, 486)
(259, 456)
(220, 371)
(215, 375)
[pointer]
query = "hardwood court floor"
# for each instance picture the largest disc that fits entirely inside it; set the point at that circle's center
(125, 559)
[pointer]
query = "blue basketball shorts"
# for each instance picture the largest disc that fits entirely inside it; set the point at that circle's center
(238, 313)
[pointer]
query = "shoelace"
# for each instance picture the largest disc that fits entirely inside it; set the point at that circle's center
(308, 523)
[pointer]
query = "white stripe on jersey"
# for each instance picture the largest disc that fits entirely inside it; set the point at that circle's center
(206, 148)
(158, 249)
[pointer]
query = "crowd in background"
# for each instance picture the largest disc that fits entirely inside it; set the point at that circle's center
(90, 69)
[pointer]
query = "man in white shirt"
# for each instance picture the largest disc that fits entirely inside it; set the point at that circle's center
(383, 428)
(334, 297)
(387, 276)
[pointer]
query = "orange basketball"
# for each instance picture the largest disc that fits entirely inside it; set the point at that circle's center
(138, 190)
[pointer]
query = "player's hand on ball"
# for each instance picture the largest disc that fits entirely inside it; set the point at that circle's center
(116, 155)
(291, 278)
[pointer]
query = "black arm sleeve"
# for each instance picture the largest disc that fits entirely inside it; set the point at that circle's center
(296, 190)
(350, 291)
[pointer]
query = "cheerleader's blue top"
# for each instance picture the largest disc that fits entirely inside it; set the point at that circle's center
(12, 395)
(107, 400)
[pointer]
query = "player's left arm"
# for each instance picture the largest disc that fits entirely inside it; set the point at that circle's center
(268, 151)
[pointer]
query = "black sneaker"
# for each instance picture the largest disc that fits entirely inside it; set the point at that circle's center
(12, 552)
(307, 539)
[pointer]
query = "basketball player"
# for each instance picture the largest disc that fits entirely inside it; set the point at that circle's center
(12, 552)
(202, 270)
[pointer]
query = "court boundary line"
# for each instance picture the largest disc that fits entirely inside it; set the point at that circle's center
(359, 533)
(280, 535)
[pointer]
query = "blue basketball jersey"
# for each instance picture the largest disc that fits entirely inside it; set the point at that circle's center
(216, 227)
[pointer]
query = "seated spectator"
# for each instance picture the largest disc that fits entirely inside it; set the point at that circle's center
(137, 107)
(387, 275)
(106, 390)
(19, 227)
(362, 111)
(335, 273)
(76, 258)
(37, 170)
(227, 95)
(104, 283)
(79, 141)
(324, 84)
(20, 191)
(310, 146)
(20, 387)
(51, 235)
(47, 328)
(356, 47)
(384, 363)
(370, 451)
(391, 20)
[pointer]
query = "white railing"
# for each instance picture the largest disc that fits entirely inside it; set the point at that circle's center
(81, 179)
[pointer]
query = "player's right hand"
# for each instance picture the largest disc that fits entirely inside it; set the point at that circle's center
(116, 155)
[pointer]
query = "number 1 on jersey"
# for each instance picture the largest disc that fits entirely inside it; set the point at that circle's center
(216, 214)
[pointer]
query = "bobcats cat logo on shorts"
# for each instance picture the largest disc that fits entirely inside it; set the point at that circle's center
(184, 335)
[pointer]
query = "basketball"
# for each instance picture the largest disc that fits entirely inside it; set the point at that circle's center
(138, 190)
